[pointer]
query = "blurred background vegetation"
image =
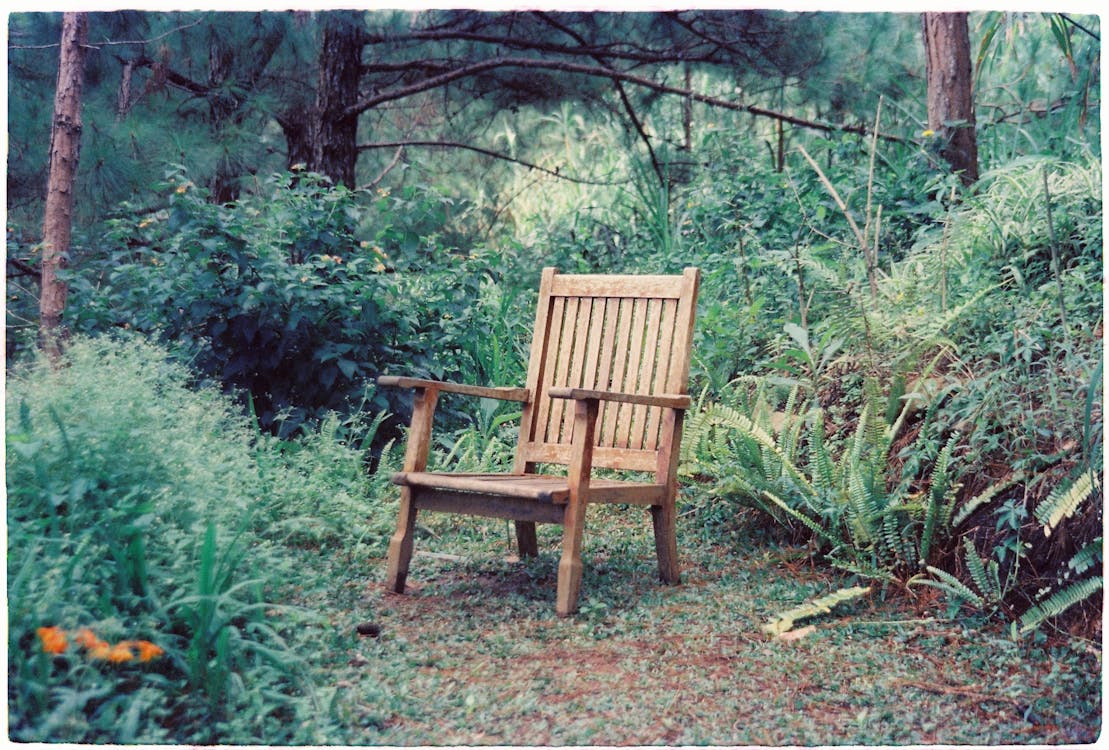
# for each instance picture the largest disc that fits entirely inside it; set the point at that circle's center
(900, 370)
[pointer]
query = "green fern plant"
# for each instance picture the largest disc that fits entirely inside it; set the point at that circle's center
(785, 621)
(1067, 592)
(781, 463)
(1057, 603)
(988, 591)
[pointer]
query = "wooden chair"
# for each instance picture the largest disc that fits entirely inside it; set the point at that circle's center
(606, 388)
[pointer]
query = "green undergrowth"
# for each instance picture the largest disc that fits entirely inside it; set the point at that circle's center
(473, 653)
(148, 510)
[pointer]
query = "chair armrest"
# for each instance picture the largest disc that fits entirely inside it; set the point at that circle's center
(666, 400)
(502, 394)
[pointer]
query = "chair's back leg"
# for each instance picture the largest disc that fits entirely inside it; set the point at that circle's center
(526, 540)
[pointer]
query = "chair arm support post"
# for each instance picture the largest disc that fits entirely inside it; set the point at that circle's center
(415, 459)
(419, 431)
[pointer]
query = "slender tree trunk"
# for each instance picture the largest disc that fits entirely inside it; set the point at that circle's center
(950, 91)
(65, 148)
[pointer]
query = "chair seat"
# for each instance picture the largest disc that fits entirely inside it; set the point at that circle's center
(543, 488)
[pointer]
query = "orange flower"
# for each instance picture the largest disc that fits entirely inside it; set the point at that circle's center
(148, 650)
(120, 653)
(86, 638)
(53, 639)
(99, 650)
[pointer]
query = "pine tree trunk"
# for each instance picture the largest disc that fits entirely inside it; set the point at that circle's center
(65, 147)
(335, 139)
(950, 91)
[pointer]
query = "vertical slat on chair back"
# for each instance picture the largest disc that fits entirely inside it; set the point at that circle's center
(630, 334)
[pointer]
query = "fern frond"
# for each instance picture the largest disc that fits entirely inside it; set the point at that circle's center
(1063, 502)
(948, 583)
(937, 494)
(861, 505)
(822, 606)
(934, 326)
(861, 569)
(984, 498)
(809, 523)
(1059, 602)
(984, 575)
(892, 537)
(858, 440)
(822, 467)
(790, 433)
(729, 417)
(1086, 558)
(910, 551)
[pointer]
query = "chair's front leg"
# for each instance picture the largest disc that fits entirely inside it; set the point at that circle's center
(415, 459)
(581, 464)
(664, 518)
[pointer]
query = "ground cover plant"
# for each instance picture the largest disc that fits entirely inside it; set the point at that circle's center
(474, 655)
(892, 507)
(131, 518)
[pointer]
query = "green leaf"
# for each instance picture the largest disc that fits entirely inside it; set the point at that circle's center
(349, 368)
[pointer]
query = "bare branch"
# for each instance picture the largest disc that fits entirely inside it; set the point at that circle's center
(107, 43)
(628, 109)
(483, 66)
(171, 32)
(24, 268)
(486, 152)
(584, 49)
(388, 168)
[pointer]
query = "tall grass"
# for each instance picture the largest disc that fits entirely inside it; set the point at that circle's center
(131, 497)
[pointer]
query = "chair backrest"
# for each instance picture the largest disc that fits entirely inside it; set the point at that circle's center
(631, 334)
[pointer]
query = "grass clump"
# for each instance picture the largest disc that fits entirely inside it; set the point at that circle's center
(131, 498)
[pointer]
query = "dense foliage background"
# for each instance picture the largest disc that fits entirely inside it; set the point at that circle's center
(900, 371)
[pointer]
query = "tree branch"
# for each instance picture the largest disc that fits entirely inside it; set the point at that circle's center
(583, 50)
(485, 152)
(24, 268)
(107, 43)
(546, 18)
(173, 77)
(388, 168)
(483, 66)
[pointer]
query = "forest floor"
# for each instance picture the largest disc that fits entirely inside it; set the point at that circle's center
(473, 653)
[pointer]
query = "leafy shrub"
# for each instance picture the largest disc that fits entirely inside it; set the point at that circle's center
(273, 295)
(277, 298)
(981, 332)
(130, 498)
